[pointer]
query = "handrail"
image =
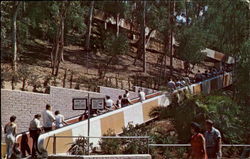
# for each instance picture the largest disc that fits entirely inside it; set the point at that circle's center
(105, 137)
(188, 145)
(100, 137)
(138, 137)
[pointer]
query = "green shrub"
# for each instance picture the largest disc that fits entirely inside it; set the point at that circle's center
(110, 146)
(80, 146)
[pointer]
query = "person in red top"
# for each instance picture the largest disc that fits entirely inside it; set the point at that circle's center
(198, 144)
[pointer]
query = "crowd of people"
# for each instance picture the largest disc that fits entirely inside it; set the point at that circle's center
(50, 121)
(179, 82)
(122, 101)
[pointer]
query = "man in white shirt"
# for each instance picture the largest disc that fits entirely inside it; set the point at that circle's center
(59, 120)
(171, 85)
(109, 103)
(48, 118)
(142, 95)
(35, 130)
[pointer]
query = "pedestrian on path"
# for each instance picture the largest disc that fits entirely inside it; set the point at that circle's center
(24, 145)
(35, 130)
(198, 144)
(142, 95)
(48, 118)
(59, 120)
(10, 135)
(213, 141)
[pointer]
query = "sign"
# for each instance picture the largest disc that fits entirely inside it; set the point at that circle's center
(79, 103)
(97, 103)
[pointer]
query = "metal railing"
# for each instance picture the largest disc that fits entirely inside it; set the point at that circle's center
(188, 145)
(134, 137)
(100, 137)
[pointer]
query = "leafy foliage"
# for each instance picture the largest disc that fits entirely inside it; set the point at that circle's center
(114, 46)
(79, 147)
(192, 42)
(110, 146)
(220, 108)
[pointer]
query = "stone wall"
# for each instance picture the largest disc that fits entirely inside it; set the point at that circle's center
(24, 105)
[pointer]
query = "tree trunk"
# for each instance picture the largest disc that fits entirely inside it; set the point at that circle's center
(89, 32)
(14, 34)
(71, 80)
(24, 83)
(64, 78)
(143, 38)
(57, 52)
(117, 24)
(13, 83)
(171, 12)
(186, 6)
(61, 45)
(171, 52)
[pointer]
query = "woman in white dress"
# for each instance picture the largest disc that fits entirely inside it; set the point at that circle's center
(10, 133)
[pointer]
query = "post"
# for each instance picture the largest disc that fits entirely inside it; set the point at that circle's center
(148, 145)
(54, 145)
(88, 103)
(129, 86)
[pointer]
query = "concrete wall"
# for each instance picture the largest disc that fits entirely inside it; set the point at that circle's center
(24, 105)
(135, 156)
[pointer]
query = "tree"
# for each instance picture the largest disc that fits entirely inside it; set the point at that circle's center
(191, 43)
(90, 17)
(58, 46)
(16, 6)
(24, 74)
(117, 12)
(218, 107)
(115, 46)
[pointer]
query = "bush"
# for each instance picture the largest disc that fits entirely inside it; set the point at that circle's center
(24, 74)
(110, 146)
(34, 81)
(80, 147)
(220, 108)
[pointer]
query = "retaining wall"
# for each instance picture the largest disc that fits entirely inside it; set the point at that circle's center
(24, 105)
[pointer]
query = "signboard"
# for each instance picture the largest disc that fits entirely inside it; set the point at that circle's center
(79, 103)
(97, 103)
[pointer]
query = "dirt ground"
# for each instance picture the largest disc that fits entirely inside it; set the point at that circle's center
(37, 58)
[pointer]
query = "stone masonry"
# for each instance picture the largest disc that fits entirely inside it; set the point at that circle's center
(24, 105)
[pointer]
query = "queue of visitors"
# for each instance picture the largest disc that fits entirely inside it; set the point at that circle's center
(123, 100)
(35, 129)
(179, 82)
(207, 145)
(49, 121)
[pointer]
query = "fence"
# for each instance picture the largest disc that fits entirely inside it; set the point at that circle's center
(55, 138)
(148, 145)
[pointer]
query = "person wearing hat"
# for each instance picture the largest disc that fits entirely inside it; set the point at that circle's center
(213, 141)
(198, 145)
